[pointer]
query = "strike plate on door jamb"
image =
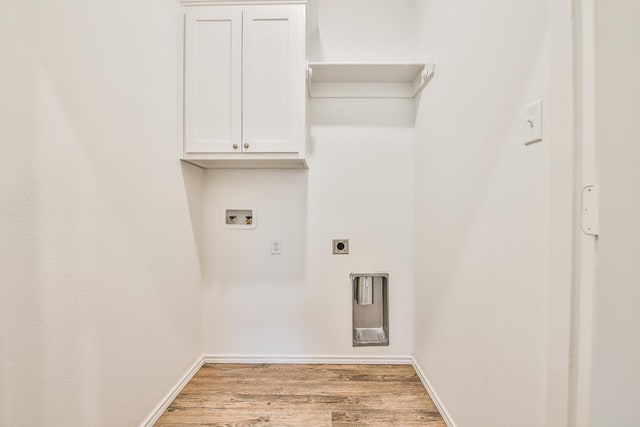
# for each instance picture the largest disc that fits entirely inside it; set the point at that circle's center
(591, 210)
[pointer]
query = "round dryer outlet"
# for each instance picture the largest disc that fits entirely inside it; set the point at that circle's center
(340, 246)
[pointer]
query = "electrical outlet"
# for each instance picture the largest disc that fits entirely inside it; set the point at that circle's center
(276, 247)
(340, 246)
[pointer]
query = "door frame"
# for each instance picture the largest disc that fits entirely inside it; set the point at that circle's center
(572, 252)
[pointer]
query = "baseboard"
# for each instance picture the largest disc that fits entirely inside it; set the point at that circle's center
(311, 359)
(175, 390)
(432, 393)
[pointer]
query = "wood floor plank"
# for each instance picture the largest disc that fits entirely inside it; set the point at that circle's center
(311, 401)
(386, 418)
(234, 418)
(285, 395)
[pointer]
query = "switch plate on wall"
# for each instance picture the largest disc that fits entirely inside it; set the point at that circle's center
(533, 123)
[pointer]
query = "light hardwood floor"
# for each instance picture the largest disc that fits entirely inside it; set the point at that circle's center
(262, 395)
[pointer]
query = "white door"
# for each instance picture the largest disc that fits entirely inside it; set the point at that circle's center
(273, 78)
(615, 387)
(213, 86)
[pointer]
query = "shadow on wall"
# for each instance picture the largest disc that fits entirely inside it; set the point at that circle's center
(364, 112)
(193, 180)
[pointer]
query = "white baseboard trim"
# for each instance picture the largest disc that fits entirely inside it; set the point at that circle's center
(434, 396)
(173, 393)
(310, 359)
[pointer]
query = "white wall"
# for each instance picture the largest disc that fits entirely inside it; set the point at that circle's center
(364, 30)
(359, 186)
(482, 202)
(100, 283)
(616, 375)
(299, 302)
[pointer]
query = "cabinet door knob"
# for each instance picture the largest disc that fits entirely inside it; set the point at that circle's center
(246, 145)
(235, 146)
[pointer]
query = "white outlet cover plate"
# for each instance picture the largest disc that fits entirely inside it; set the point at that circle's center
(276, 246)
(533, 123)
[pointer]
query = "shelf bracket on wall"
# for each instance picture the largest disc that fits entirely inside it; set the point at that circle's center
(425, 75)
(308, 75)
(367, 80)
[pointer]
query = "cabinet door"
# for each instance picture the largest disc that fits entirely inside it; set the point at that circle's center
(213, 86)
(273, 78)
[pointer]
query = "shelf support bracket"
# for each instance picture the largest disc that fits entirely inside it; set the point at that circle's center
(423, 78)
(308, 74)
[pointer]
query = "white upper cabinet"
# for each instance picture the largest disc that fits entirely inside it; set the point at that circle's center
(213, 80)
(244, 84)
(273, 78)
